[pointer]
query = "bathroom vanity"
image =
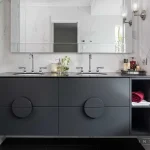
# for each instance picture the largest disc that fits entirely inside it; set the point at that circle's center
(89, 104)
(71, 106)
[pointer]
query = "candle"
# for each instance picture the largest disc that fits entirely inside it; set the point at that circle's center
(54, 67)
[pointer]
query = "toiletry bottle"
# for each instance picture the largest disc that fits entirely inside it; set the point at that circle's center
(59, 67)
(133, 64)
(128, 66)
(138, 67)
(125, 65)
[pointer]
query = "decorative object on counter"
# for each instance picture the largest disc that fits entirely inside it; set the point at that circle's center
(132, 68)
(138, 68)
(137, 96)
(59, 67)
(132, 64)
(125, 65)
(54, 67)
(63, 65)
(128, 65)
(133, 72)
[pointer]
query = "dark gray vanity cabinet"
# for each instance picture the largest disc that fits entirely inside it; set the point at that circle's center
(43, 121)
(113, 122)
(94, 106)
(112, 91)
(29, 106)
(40, 91)
(64, 106)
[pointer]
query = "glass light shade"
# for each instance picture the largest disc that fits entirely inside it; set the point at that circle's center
(124, 12)
(135, 5)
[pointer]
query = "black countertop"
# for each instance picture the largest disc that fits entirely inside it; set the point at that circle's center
(76, 75)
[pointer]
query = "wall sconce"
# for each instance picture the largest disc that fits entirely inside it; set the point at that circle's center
(129, 22)
(124, 15)
(135, 8)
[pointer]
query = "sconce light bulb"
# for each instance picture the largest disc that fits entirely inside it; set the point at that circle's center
(124, 15)
(135, 7)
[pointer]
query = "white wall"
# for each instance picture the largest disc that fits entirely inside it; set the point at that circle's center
(108, 7)
(144, 34)
(11, 62)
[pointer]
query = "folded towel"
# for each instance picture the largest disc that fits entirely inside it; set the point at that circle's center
(143, 103)
(137, 96)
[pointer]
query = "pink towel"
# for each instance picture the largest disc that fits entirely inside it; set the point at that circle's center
(137, 96)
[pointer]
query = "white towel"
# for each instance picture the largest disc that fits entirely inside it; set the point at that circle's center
(142, 103)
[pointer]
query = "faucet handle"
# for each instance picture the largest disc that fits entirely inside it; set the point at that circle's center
(98, 68)
(40, 70)
(80, 68)
(24, 68)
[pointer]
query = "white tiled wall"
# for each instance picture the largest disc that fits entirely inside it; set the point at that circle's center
(11, 62)
(144, 33)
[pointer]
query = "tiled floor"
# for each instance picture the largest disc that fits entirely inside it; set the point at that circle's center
(71, 144)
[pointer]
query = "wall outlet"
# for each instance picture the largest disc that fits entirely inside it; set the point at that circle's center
(144, 61)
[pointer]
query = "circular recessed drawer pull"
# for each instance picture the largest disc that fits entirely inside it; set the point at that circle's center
(94, 108)
(22, 107)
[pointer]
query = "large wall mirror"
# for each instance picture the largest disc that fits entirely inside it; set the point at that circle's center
(71, 26)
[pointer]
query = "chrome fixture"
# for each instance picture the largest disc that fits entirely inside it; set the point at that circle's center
(80, 68)
(135, 7)
(142, 15)
(90, 58)
(40, 70)
(129, 22)
(99, 68)
(124, 15)
(24, 69)
(32, 57)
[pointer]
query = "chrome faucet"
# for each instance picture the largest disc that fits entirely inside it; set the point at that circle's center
(32, 57)
(90, 58)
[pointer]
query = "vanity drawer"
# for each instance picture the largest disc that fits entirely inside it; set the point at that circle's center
(111, 91)
(40, 91)
(41, 121)
(113, 122)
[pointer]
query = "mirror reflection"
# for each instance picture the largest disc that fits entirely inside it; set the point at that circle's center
(73, 26)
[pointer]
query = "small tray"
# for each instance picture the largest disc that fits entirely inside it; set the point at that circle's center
(132, 72)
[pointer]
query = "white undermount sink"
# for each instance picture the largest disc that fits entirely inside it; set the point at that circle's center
(28, 74)
(91, 73)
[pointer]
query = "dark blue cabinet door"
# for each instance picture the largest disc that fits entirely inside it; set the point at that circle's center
(76, 91)
(113, 122)
(42, 121)
(40, 91)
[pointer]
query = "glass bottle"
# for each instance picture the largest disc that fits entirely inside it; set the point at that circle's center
(59, 67)
(133, 64)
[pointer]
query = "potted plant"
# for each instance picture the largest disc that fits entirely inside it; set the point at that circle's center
(65, 64)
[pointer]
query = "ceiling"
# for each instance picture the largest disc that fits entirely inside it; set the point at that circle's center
(61, 2)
